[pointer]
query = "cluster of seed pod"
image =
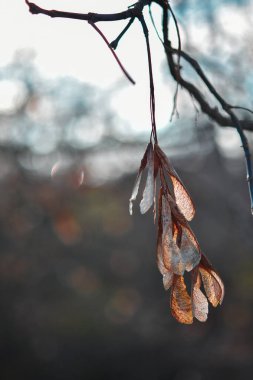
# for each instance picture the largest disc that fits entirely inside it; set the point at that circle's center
(178, 250)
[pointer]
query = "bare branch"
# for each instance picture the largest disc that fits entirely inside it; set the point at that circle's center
(242, 108)
(115, 42)
(113, 52)
(151, 79)
(136, 11)
(174, 110)
(233, 120)
(93, 17)
(213, 113)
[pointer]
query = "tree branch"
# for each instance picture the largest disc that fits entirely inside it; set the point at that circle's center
(114, 43)
(113, 52)
(234, 121)
(206, 108)
(212, 112)
(151, 79)
(135, 11)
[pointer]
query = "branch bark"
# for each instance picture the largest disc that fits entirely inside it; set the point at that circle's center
(135, 11)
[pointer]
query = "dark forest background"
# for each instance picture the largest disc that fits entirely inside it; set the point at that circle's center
(81, 296)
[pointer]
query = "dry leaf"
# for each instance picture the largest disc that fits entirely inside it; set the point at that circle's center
(213, 284)
(179, 217)
(138, 180)
(182, 197)
(168, 280)
(148, 193)
(199, 300)
(180, 303)
(177, 258)
(189, 250)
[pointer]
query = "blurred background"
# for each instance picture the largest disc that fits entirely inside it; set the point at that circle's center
(81, 296)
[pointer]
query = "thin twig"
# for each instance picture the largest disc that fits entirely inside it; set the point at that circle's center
(153, 23)
(115, 42)
(96, 17)
(113, 52)
(242, 108)
(151, 79)
(174, 110)
(247, 154)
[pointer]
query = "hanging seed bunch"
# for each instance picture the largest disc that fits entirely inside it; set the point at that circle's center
(178, 250)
